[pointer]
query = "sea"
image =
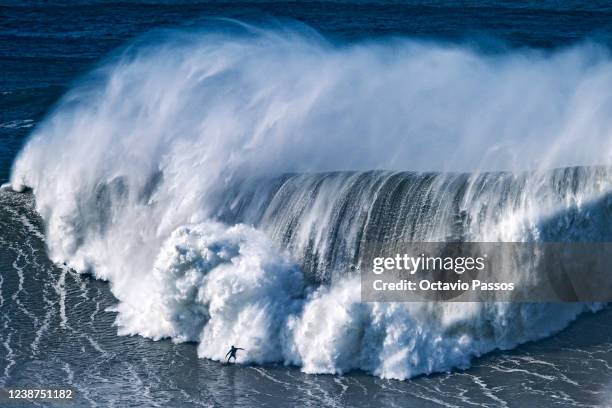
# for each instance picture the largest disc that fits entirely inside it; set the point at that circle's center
(181, 176)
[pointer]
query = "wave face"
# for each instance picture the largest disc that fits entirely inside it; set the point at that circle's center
(197, 172)
(327, 219)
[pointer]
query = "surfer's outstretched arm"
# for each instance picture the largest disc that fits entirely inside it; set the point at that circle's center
(238, 348)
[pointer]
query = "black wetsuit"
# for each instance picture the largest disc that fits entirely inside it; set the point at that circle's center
(232, 353)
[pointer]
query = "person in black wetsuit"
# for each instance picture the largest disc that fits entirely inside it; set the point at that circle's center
(232, 353)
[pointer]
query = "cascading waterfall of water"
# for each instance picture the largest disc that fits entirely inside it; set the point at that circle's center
(325, 218)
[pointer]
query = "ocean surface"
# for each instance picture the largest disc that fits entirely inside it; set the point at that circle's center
(145, 118)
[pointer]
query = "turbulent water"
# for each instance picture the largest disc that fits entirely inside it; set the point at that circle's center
(225, 181)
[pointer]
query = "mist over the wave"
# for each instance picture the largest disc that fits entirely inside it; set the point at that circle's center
(132, 171)
(287, 99)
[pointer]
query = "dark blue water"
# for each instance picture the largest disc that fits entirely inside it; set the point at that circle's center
(53, 327)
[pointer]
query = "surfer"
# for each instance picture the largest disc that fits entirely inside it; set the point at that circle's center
(232, 353)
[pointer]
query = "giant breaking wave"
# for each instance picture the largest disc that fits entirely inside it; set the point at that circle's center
(223, 181)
